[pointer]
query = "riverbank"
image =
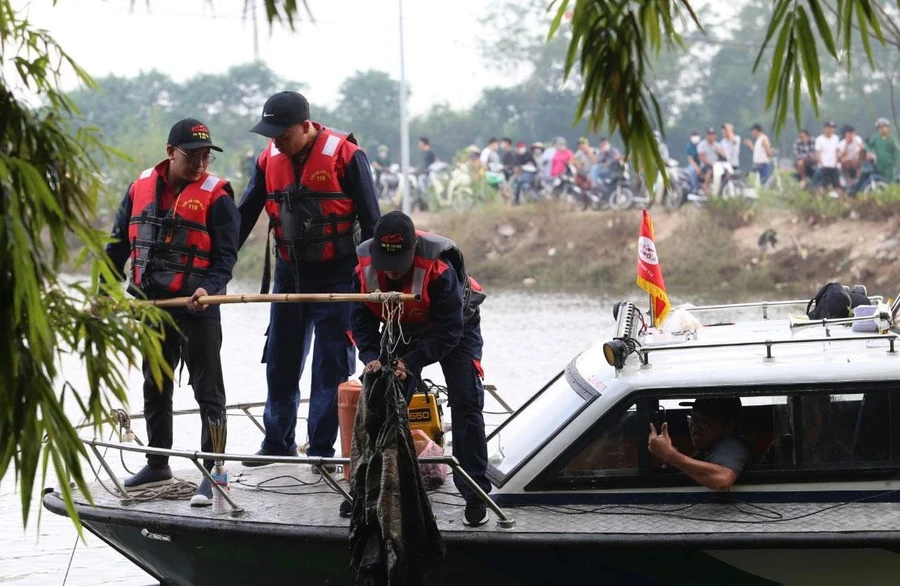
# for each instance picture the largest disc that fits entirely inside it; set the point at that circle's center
(713, 252)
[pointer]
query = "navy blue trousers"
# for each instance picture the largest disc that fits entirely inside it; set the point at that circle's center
(463, 374)
(198, 344)
(291, 328)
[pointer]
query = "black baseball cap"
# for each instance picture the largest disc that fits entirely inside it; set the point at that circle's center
(830, 123)
(189, 134)
(727, 409)
(394, 243)
(283, 110)
(710, 130)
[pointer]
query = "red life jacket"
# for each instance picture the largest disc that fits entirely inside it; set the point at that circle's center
(171, 253)
(312, 219)
(434, 255)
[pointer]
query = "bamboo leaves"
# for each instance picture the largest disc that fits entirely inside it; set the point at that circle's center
(613, 40)
(611, 47)
(48, 191)
(800, 27)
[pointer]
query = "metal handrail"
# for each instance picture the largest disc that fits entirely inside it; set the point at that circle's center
(765, 305)
(645, 351)
(503, 520)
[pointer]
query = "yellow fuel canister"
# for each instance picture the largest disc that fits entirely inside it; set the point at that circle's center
(425, 415)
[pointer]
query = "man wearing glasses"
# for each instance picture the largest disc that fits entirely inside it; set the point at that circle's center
(316, 187)
(722, 453)
(179, 226)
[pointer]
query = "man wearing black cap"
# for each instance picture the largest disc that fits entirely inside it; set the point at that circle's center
(179, 226)
(316, 187)
(722, 454)
(444, 326)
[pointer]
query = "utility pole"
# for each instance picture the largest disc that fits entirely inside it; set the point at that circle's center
(255, 31)
(404, 123)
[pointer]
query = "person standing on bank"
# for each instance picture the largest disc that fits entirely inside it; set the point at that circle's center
(444, 327)
(316, 186)
(179, 226)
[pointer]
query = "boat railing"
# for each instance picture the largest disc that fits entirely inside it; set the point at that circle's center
(765, 305)
(503, 520)
(122, 420)
(645, 351)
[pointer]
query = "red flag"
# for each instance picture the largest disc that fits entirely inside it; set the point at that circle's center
(649, 273)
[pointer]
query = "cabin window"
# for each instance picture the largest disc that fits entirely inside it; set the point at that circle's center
(612, 451)
(536, 422)
(798, 435)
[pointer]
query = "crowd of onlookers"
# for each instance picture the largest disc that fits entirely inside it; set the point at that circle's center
(831, 162)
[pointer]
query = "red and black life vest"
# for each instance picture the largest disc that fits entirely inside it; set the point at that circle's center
(311, 218)
(434, 255)
(170, 251)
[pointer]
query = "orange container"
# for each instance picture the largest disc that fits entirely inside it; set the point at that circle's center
(348, 397)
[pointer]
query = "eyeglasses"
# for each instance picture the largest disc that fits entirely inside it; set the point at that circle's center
(195, 157)
(698, 423)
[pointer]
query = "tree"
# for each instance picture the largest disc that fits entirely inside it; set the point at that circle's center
(49, 179)
(613, 42)
(369, 106)
(50, 175)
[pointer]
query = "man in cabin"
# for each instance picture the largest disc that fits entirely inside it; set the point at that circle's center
(722, 453)
(444, 327)
(316, 186)
(179, 226)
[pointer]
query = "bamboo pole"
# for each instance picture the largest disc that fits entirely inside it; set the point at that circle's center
(376, 297)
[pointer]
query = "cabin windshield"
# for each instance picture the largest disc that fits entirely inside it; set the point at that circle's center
(536, 422)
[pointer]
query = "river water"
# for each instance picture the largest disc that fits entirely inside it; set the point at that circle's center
(528, 339)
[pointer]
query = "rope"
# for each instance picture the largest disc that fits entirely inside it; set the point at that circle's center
(392, 334)
(178, 490)
(71, 557)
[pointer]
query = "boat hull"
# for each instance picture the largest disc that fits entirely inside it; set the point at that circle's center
(211, 552)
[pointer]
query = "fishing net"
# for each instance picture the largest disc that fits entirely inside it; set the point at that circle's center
(393, 532)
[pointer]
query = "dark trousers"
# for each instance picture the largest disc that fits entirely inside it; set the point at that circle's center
(198, 343)
(463, 374)
(291, 327)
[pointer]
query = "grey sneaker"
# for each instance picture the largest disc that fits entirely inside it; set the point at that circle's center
(149, 477)
(203, 496)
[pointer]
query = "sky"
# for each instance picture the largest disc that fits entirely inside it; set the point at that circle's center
(184, 37)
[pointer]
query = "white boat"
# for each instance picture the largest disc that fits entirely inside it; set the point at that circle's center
(578, 498)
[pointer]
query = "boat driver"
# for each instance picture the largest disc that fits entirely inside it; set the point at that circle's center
(722, 453)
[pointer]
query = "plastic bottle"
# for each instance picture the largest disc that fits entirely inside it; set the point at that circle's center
(220, 477)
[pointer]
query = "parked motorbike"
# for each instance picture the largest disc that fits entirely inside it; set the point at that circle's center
(535, 190)
(565, 188)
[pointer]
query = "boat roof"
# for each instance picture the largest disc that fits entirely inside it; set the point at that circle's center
(761, 352)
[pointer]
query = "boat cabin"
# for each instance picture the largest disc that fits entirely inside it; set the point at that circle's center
(820, 408)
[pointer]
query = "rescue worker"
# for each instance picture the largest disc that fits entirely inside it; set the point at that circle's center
(444, 327)
(316, 186)
(179, 226)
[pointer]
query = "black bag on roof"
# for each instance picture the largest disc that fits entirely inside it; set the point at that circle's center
(832, 301)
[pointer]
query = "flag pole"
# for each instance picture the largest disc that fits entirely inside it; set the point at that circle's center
(652, 317)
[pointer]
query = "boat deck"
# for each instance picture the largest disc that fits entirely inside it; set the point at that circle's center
(292, 497)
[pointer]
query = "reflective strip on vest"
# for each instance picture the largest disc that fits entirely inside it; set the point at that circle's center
(331, 145)
(418, 280)
(210, 182)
